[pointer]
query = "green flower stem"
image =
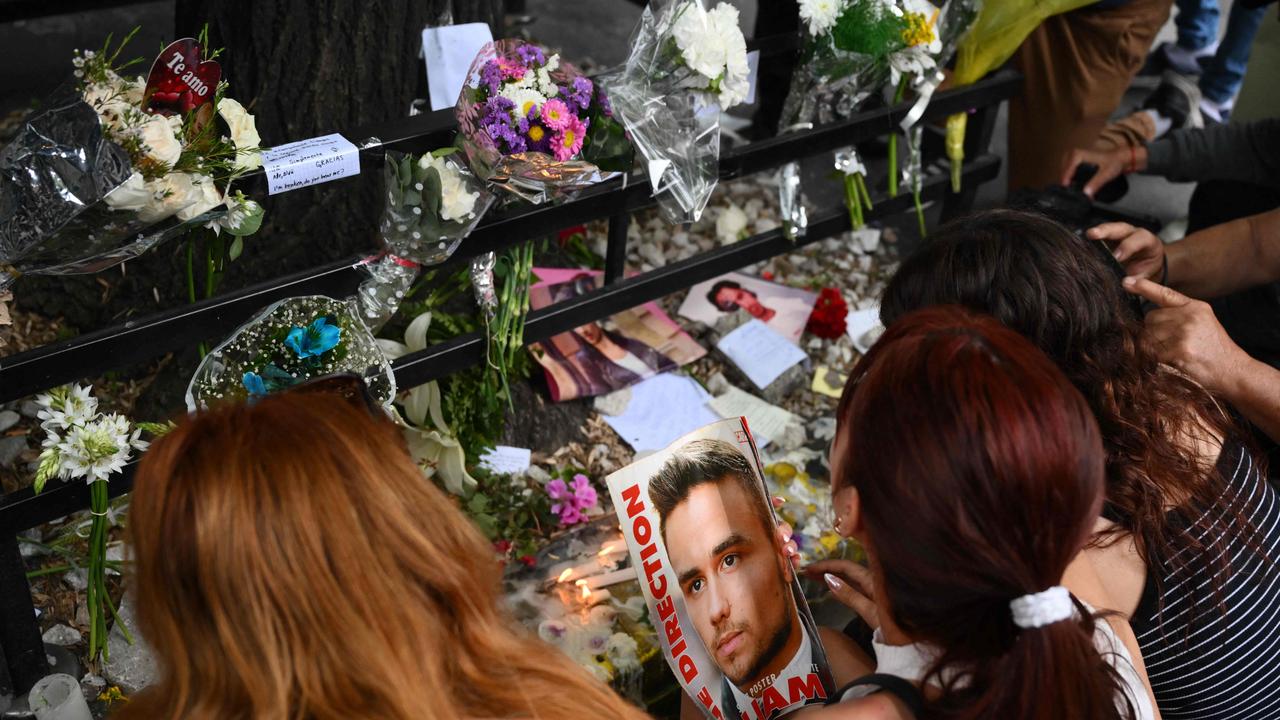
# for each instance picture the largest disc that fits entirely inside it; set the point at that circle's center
(862, 188)
(853, 200)
(893, 140)
(924, 232)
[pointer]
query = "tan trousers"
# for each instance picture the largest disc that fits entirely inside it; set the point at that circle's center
(1077, 67)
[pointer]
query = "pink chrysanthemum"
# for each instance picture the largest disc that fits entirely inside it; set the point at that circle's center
(568, 142)
(556, 115)
(511, 70)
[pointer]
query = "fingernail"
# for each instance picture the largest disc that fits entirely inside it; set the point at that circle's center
(1127, 282)
(833, 581)
(1116, 254)
(786, 538)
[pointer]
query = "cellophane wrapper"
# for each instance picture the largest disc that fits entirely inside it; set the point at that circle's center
(830, 84)
(534, 177)
(54, 178)
(219, 377)
(673, 121)
(414, 233)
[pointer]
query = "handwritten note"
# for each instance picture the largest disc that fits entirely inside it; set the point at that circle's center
(309, 162)
(767, 422)
(760, 352)
(662, 408)
(505, 460)
(753, 73)
(449, 52)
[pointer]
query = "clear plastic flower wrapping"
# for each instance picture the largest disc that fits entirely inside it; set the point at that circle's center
(414, 228)
(54, 178)
(220, 376)
(674, 125)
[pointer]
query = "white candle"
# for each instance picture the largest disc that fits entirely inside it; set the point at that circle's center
(609, 578)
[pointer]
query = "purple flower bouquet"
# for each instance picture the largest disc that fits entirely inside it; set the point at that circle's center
(536, 126)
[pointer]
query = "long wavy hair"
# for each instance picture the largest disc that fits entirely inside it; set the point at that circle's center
(961, 425)
(1064, 294)
(292, 562)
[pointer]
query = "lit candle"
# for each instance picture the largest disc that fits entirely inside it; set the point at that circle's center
(592, 597)
(609, 578)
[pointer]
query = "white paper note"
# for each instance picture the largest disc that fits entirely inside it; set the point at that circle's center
(309, 162)
(760, 352)
(753, 63)
(449, 52)
(766, 421)
(861, 326)
(506, 460)
(662, 408)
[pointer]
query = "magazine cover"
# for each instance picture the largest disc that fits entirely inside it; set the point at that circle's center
(732, 620)
(600, 357)
(784, 309)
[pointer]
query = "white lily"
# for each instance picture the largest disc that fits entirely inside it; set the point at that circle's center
(433, 445)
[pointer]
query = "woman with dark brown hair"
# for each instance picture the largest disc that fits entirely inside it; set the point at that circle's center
(292, 562)
(971, 471)
(1190, 530)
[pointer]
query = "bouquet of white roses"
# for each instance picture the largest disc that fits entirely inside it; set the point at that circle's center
(687, 64)
(115, 164)
(432, 203)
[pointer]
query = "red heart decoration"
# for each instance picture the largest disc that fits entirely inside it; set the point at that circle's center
(179, 82)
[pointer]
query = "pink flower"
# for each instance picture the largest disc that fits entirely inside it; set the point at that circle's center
(511, 70)
(583, 493)
(559, 492)
(556, 115)
(568, 142)
(570, 515)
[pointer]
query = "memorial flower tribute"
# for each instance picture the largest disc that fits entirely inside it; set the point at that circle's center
(114, 164)
(687, 65)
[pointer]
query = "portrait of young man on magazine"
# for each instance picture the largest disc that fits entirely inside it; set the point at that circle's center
(729, 611)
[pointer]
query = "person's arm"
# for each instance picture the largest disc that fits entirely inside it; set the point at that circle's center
(1245, 152)
(1227, 258)
(1213, 262)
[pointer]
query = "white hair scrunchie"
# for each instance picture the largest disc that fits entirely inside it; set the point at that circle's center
(1042, 608)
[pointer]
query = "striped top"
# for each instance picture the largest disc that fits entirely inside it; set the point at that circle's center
(1229, 664)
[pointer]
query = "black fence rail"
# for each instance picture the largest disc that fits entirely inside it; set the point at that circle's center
(140, 340)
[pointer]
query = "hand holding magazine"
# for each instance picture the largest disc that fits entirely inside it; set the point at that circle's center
(730, 615)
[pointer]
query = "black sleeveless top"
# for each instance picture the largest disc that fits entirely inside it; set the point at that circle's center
(871, 684)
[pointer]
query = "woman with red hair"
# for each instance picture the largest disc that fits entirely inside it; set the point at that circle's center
(971, 471)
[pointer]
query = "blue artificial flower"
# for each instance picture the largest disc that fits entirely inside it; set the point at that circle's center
(254, 384)
(315, 340)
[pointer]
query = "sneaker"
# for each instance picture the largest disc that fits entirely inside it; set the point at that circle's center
(1171, 56)
(1178, 99)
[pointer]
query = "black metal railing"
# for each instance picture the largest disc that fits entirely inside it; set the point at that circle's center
(139, 340)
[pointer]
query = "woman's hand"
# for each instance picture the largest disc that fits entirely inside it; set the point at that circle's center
(785, 532)
(851, 584)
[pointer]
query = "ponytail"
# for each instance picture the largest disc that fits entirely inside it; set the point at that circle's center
(1053, 672)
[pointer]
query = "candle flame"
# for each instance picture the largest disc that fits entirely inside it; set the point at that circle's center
(565, 575)
(607, 549)
(586, 590)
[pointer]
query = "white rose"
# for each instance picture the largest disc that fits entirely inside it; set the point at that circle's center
(206, 198)
(244, 133)
(169, 194)
(159, 135)
(730, 224)
(132, 194)
(456, 203)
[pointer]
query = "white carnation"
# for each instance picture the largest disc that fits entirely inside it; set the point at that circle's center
(820, 15)
(731, 224)
(736, 82)
(711, 44)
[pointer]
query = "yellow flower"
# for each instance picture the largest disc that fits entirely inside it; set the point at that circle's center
(112, 695)
(919, 30)
(829, 541)
(536, 132)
